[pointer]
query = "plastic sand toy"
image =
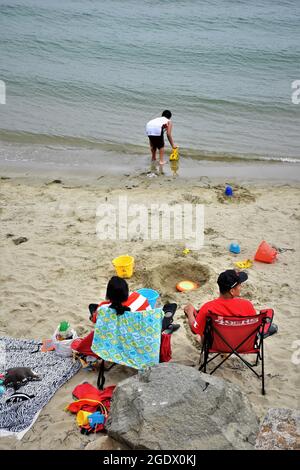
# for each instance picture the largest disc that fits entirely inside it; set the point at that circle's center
(151, 295)
(124, 266)
(186, 286)
(265, 253)
(64, 330)
(228, 191)
(235, 248)
(247, 263)
(174, 155)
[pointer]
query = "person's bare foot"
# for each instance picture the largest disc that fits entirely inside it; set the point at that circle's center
(162, 163)
(154, 164)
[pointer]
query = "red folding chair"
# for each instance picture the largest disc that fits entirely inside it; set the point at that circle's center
(235, 335)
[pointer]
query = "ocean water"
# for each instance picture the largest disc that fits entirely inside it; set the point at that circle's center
(90, 74)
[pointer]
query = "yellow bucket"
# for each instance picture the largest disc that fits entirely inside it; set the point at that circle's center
(82, 417)
(124, 266)
(174, 155)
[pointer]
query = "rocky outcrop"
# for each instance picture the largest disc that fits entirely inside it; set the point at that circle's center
(177, 407)
(280, 430)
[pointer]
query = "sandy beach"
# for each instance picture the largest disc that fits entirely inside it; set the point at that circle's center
(64, 266)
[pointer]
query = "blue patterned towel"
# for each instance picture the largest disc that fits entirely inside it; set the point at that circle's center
(131, 339)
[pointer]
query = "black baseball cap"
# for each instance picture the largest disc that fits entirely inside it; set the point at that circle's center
(231, 278)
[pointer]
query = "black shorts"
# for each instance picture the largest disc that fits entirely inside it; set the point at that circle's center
(156, 141)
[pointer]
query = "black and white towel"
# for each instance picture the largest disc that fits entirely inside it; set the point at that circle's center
(17, 416)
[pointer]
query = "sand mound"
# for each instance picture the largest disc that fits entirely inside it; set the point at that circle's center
(164, 277)
(240, 195)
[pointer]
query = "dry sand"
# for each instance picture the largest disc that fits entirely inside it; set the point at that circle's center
(63, 267)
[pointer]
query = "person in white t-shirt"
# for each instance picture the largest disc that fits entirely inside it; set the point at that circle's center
(155, 131)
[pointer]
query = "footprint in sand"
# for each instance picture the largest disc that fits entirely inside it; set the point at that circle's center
(192, 198)
(210, 232)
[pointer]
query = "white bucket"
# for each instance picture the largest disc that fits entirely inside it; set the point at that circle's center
(63, 347)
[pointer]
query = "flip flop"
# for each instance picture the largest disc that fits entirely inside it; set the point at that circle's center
(169, 310)
(18, 397)
(172, 328)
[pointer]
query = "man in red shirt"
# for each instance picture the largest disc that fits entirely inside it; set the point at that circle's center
(227, 304)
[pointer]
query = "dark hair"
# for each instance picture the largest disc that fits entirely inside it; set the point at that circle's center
(166, 113)
(117, 292)
(224, 290)
(230, 278)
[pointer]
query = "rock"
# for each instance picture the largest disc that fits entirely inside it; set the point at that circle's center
(19, 240)
(181, 408)
(280, 430)
(104, 443)
(55, 182)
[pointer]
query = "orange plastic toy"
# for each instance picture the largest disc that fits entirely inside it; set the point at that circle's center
(265, 253)
(184, 286)
(47, 345)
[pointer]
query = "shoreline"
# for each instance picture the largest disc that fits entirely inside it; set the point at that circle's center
(88, 164)
(189, 170)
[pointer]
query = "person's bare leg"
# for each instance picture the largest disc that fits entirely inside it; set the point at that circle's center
(161, 156)
(153, 166)
(153, 154)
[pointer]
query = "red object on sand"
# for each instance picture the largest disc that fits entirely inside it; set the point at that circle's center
(89, 397)
(165, 348)
(265, 253)
(83, 345)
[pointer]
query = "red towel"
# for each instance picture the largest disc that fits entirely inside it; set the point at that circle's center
(89, 397)
(165, 348)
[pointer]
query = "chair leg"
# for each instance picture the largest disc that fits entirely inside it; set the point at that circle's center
(257, 359)
(205, 359)
(262, 369)
(200, 359)
(101, 376)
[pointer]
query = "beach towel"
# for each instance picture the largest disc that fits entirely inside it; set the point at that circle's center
(165, 348)
(135, 301)
(132, 339)
(17, 417)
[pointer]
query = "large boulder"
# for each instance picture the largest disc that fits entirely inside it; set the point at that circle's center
(178, 407)
(280, 430)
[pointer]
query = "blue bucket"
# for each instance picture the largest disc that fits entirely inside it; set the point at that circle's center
(150, 294)
(228, 191)
(234, 248)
